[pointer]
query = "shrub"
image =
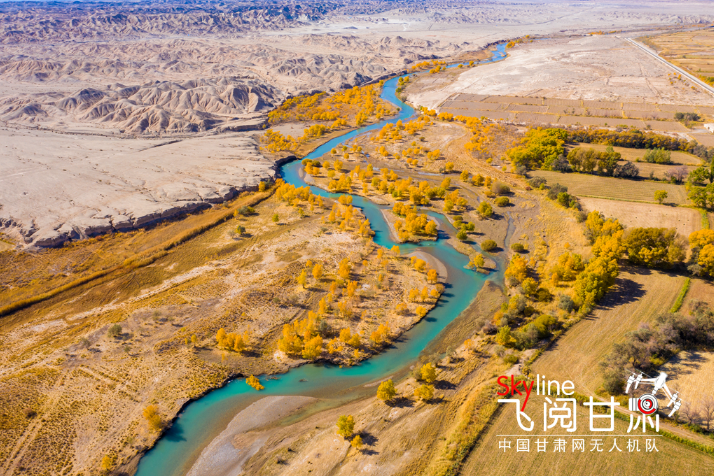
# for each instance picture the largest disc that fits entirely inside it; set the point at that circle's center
(489, 245)
(543, 295)
(555, 190)
(536, 182)
(114, 331)
(502, 202)
(500, 188)
(462, 235)
(518, 247)
(565, 303)
(658, 156)
(485, 209)
(510, 359)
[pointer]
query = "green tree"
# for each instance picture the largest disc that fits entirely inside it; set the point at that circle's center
(503, 336)
(345, 425)
(386, 391)
(462, 235)
(660, 196)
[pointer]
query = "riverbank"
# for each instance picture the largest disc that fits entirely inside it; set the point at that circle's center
(227, 453)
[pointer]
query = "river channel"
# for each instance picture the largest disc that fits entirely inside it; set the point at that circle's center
(202, 420)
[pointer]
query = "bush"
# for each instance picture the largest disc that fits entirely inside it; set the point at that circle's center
(565, 303)
(536, 182)
(489, 245)
(500, 188)
(518, 247)
(510, 359)
(462, 235)
(561, 164)
(543, 295)
(555, 190)
(658, 156)
(114, 331)
(485, 209)
(502, 202)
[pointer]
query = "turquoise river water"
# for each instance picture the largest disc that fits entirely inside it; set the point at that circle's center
(202, 420)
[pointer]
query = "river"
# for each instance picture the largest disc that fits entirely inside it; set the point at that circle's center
(202, 420)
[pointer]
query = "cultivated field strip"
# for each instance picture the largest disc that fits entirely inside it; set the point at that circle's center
(659, 117)
(585, 185)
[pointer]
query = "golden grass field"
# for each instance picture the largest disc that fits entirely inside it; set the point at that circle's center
(635, 214)
(487, 459)
(692, 372)
(639, 295)
(586, 185)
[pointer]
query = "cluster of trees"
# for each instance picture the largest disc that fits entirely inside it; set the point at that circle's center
(653, 247)
(687, 116)
(363, 102)
(232, 341)
(303, 338)
(651, 346)
(153, 418)
(427, 65)
(413, 224)
(590, 161)
(658, 156)
(254, 382)
(702, 257)
(700, 186)
(630, 138)
(539, 149)
(567, 268)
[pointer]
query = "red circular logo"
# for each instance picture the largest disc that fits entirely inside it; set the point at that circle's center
(647, 404)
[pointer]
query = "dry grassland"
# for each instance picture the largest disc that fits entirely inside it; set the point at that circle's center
(634, 214)
(70, 394)
(488, 459)
(594, 186)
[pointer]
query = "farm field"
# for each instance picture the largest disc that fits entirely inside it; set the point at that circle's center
(691, 373)
(691, 50)
(704, 139)
(635, 214)
(584, 185)
(487, 459)
(639, 294)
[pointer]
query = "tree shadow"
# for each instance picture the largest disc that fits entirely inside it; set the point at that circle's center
(443, 385)
(369, 440)
(401, 402)
(625, 291)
